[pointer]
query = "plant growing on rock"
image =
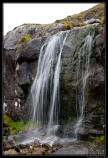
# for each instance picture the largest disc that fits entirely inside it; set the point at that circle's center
(14, 126)
(100, 139)
(69, 25)
(24, 38)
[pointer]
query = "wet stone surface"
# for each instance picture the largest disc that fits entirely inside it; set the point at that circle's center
(62, 146)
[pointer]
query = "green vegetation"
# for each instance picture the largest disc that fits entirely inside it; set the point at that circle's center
(75, 20)
(68, 24)
(24, 38)
(14, 126)
(100, 139)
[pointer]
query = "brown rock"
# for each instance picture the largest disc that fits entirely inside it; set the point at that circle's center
(10, 152)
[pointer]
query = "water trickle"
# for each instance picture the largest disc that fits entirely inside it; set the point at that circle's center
(45, 88)
(82, 76)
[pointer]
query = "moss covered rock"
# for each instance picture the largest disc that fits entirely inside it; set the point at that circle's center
(24, 38)
(14, 126)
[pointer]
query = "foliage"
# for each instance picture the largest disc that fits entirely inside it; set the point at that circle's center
(96, 12)
(100, 139)
(24, 38)
(68, 24)
(14, 126)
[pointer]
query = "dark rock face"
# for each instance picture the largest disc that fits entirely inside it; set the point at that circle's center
(27, 59)
(29, 52)
(95, 87)
(20, 66)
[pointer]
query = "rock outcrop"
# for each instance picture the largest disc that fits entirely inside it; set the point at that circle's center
(20, 66)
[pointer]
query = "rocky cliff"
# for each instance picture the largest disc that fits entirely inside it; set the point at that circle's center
(20, 57)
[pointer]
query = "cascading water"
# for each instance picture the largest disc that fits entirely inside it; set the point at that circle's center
(45, 89)
(82, 76)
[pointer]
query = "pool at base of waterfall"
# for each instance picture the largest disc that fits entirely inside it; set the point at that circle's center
(40, 136)
(37, 142)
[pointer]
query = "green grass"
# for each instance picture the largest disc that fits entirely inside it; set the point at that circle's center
(14, 126)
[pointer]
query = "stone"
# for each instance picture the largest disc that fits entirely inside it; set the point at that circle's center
(91, 21)
(100, 39)
(10, 152)
(30, 51)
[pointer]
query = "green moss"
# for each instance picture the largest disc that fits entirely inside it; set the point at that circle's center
(24, 39)
(100, 139)
(14, 126)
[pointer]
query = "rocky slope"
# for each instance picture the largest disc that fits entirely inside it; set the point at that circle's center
(20, 57)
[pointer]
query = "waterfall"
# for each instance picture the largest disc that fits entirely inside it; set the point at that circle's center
(45, 88)
(82, 76)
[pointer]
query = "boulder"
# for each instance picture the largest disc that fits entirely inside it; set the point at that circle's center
(29, 52)
(91, 21)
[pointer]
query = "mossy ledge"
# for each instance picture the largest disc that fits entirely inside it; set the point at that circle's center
(14, 126)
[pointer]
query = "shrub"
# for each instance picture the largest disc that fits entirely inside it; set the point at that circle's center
(68, 24)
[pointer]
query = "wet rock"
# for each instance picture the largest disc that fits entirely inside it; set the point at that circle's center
(10, 152)
(30, 51)
(11, 140)
(24, 77)
(96, 132)
(36, 142)
(5, 131)
(100, 39)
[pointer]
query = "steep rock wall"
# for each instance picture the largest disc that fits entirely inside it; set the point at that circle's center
(20, 64)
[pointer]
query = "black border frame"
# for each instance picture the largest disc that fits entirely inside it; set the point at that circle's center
(60, 1)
